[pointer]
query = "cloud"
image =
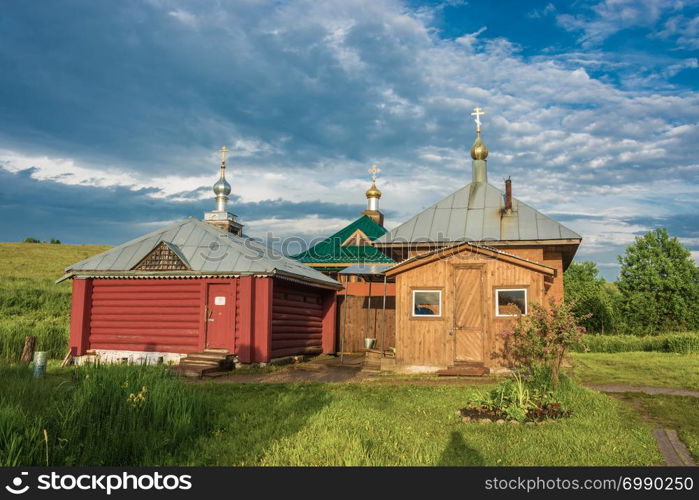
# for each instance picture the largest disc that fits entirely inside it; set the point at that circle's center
(122, 109)
(608, 17)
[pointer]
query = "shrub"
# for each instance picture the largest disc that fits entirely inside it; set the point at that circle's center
(542, 338)
(682, 343)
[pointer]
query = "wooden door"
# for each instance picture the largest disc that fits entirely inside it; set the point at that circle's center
(219, 316)
(469, 324)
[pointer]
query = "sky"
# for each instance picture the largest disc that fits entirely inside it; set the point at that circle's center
(112, 113)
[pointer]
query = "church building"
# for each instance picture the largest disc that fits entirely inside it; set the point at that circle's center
(199, 292)
(468, 266)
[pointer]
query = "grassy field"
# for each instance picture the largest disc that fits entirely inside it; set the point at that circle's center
(30, 302)
(673, 412)
(91, 419)
(680, 371)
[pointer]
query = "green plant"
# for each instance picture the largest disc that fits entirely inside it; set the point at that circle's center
(659, 284)
(542, 338)
(681, 343)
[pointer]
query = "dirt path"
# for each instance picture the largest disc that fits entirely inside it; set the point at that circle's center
(644, 389)
(674, 451)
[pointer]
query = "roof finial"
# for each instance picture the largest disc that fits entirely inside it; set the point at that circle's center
(222, 189)
(373, 191)
(477, 112)
(478, 151)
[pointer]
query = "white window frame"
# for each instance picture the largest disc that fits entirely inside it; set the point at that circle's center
(427, 315)
(497, 302)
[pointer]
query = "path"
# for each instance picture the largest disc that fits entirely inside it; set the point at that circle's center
(672, 448)
(646, 389)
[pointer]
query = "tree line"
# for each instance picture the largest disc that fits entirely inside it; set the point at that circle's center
(657, 290)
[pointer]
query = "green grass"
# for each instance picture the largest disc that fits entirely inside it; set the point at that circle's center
(356, 424)
(678, 342)
(680, 371)
(673, 412)
(90, 421)
(110, 415)
(30, 302)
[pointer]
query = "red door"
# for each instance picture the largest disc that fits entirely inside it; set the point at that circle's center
(219, 317)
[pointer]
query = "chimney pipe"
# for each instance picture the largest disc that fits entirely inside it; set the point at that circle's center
(508, 195)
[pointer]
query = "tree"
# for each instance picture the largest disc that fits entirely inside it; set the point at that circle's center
(659, 284)
(589, 293)
(30, 240)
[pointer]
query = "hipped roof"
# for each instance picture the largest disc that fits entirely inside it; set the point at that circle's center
(205, 249)
(475, 213)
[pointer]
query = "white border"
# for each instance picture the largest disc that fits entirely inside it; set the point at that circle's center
(427, 315)
(497, 302)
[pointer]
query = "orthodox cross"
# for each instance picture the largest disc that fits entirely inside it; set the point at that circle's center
(224, 152)
(373, 171)
(477, 112)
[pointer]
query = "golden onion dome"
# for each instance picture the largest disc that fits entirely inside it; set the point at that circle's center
(479, 151)
(373, 191)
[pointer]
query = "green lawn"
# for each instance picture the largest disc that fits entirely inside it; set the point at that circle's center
(680, 371)
(673, 412)
(92, 420)
(355, 424)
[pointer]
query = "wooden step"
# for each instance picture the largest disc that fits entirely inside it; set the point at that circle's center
(207, 356)
(465, 370)
(216, 350)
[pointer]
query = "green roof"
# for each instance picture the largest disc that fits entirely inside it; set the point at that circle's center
(331, 251)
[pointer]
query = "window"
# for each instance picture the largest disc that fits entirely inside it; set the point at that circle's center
(511, 302)
(427, 303)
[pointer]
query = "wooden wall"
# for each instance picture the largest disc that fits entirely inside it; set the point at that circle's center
(297, 321)
(356, 321)
(428, 341)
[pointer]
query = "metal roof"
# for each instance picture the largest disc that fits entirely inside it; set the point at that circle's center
(331, 251)
(368, 269)
(205, 249)
(475, 213)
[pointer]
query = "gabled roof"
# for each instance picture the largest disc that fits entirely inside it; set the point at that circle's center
(205, 249)
(331, 251)
(440, 253)
(474, 213)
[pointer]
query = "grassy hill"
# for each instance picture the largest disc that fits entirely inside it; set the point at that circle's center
(30, 302)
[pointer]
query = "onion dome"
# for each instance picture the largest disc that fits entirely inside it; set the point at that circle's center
(479, 151)
(373, 191)
(222, 187)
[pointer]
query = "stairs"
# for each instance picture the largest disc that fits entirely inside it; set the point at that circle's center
(465, 369)
(207, 362)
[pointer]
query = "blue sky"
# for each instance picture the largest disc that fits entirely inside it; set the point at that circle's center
(111, 113)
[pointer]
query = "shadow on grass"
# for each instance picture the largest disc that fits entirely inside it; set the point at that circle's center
(457, 452)
(251, 417)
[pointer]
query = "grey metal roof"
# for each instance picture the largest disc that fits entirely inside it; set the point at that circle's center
(205, 249)
(369, 269)
(474, 213)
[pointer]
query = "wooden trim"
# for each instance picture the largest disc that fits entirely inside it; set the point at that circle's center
(441, 253)
(358, 232)
(329, 323)
(567, 241)
(80, 316)
(510, 287)
(442, 293)
(262, 326)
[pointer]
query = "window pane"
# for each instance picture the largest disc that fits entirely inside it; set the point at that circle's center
(426, 303)
(512, 302)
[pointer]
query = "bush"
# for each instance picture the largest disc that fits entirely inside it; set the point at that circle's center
(682, 343)
(108, 415)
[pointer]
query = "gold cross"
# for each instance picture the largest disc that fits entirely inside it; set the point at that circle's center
(224, 151)
(477, 113)
(373, 171)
